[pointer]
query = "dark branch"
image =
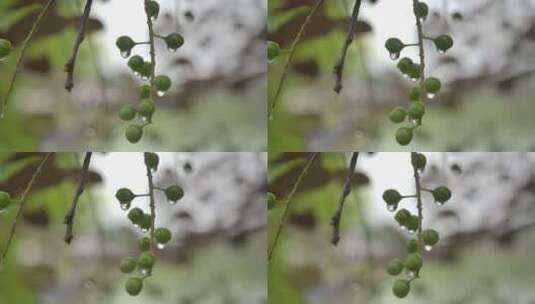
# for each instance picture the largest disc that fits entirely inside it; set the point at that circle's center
(69, 217)
(69, 66)
(337, 217)
(339, 67)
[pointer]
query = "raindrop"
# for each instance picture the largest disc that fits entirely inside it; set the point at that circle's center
(171, 202)
(136, 226)
(394, 56)
(428, 247)
(145, 77)
(440, 51)
(160, 93)
(125, 54)
(414, 79)
(431, 95)
(136, 73)
(153, 18)
(412, 231)
(144, 230)
(124, 206)
(391, 208)
(412, 274)
(160, 246)
(440, 204)
(403, 227)
(406, 76)
(144, 271)
(171, 50)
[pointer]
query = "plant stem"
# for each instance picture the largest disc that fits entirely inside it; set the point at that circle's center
(152, 53)
(152, 204)
(419, 204)
(423, 94)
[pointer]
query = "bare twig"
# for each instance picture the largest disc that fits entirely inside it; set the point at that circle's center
(346, 189)
(419, 204)
(69, 66)
(289, 202)
(22, 201)
(25, 45)
(69, 217)
(339, 67)
(423, 95)
(152, 203)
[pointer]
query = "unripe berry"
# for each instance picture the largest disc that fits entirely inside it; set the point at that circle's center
(395, 267)
(145, 223)
(419, 161)
(144, 244)
(413, 262)
(133, 286)
(443, 43)
(153, 9)
(124, 195)
(135, 215)
(125, 44)
(174, 193)
(151, 160)
(162, 235)
(398, 115)
(128, 264)
(394, 45)
(432, 85)
(401, 288)
(174, 41)
(404, 136)
(127, 113)
(441, 194)
(145, 91)
(273, 50)
(414, 94)
(5, 48)
(405, 65)
(135, 63)
(146, 107)
(415, 72)
(162, 83)
(412, 246)
(430, 237)
(413, 223)
(146, 260)
(5, 200)
(145, 70)
(133, 133)
(416, 110)
(421, 10)
(391, 197)
(402, 216)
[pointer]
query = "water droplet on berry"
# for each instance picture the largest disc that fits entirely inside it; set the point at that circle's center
(144, 271)
(136, 73)
(153, 18)
(160, 246)
(145, 77)
(440, 204)
(414, 79)
(170, 202)
(428, 247)
(125, 54)
(406, 76)
(160, 93)
(431, 95)
(171, 50)
(124, 207)
(412, 231)
(136, 226)
(144, 230)
(412, 274)
(403, 227)
(440, 51)
(394, 56)
(391, 207)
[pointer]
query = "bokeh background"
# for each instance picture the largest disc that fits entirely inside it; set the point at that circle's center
(488, 85)
(217, 253)
(487, 238)
(217, 101)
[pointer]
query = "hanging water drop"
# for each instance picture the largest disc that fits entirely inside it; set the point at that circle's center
(136, 226)
(171, 202)
(144, 230)
(428, 247)
(391, 207)
(441, 51)
(171, 50)
(160, 246)
(124, 207)
(160, 93)
(144, 271)
(403, 227)
(144, 77)
(414, 79)
(136, 73)
(412, 231)
(431, 95)
(412, 274)
(440, 204)
(153, 18)
(394, 56)
(125, 54)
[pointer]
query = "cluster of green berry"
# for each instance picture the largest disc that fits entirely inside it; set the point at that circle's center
(145, 221)
(429, 86)
(412, 223)
(5, 48)
(273, 50)
(5, 200)
(159, 85)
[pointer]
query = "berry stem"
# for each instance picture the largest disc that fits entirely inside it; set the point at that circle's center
(419, 204)
(152, 204)
(152, 52)
(421, 54)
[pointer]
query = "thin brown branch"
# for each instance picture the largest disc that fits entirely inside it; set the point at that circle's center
(71, 63)
(419, 204)
(152, 203)
(346, 189)
(419, 28)
(339, 67)
(69, 217)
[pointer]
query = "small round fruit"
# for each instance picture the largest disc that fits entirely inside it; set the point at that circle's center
(124, 195)
(5, 200)
(145, 91)
(162, 235)
(135, 63)
(174, 41)
(415, 72)
(432, 85)
(392, 197)
(419, 161)
(174, 193)
(402, 216)
(401, 288)
(395, 267)
(412, 246)
(441, 194)
(443, 43)
(133, 286)
(162, 83)
(146, 107)
(416, 110)
(151, 160)
(273, 50)
(394, 45)
(127, 113)
(128, 264)
(135, 215)
(145, 70)
(413, 223)
(144, 244)
(413, 262)
(404, 136)
(421, 10)
(145, 223)
(125, 43)
(146, 260)
(153, 9)
(430, 237)
(5, 48)
(133, 133)
(405, 65)
(414, 94)
(398, 115)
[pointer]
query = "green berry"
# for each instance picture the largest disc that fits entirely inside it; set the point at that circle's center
(415, 72)
(398, 115)
(392, 197)
(413, 223)
(125, 44)
(412, 246)
(145, 91)
(271, 200)
(395, 267)
(414, 94)
(430, 237)
(135, 215)
(135, 63)
(394, 45)
(5, 48)
(174, 41)
(419, 161)
(443, 43)
(144, 244)
(127, 112)
(401, 288)
(174, 193)
(405, 65)
(133, 286)
(128, 264)
(162, 235)
(416, 110)
(413, 262)
(125, 195)
(145, 223)
(5, 200)
(441, 194)
(402, 216)
(145, 70)
(146, 107)
(162, 83)
(404, 136)
(133, 133)
(146, 260)
(273, 50)
(151, 160)
(421, 10)
(153, 9)
(432, 85)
